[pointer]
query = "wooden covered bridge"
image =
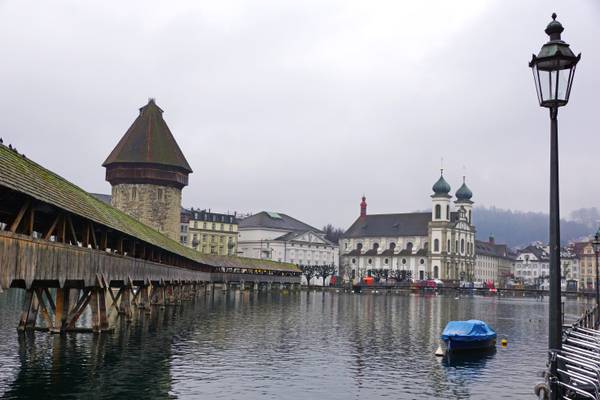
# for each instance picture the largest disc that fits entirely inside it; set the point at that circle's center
(74, 254)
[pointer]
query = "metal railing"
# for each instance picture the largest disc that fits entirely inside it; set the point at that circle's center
(574, 371)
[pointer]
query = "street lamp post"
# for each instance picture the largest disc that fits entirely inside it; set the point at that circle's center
(596, 246)
(553, 70)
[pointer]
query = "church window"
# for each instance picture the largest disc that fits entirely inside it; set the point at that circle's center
(354, 261)
(436, 245)
(448, 249)
(409, 246)
(404, 261)
(462, 245)
(448, 212)
(469, 216)
(385, 261)
(422, 261)
(438, 211)
(375, 246)
(370, 261)
(436, 272)
(359, 246)
(392, 246)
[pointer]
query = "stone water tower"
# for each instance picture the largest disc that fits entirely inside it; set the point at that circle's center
(147, 171)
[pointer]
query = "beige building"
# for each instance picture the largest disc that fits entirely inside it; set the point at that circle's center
(208, 232)
(587, 264)
(493, 262)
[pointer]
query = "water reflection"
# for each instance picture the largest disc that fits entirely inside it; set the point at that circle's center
(247, 345)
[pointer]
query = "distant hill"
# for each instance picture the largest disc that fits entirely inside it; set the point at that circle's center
(517, 228)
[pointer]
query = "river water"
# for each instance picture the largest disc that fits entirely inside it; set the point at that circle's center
(275, 345)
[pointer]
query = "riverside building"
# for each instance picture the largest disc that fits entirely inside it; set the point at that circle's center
(439, 244)
(493, 262)
(279, 237)
(209, 232)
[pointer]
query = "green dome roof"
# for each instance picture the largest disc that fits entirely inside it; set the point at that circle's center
(441, 186)
(464, 193)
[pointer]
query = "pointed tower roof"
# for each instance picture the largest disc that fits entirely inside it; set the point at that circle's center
(149, 141)
(148, 153)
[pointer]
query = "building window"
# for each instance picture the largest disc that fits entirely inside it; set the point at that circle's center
(354, 261)
(438, 211)
(370, 261)
(422, 261)
(436, 272)
(447, 212)
(404, 261)
(409, 246)
(448, 249)
(462, 245)
(436, 245)
(385, 261)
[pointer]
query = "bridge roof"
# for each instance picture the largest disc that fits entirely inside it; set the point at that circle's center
(25, 176)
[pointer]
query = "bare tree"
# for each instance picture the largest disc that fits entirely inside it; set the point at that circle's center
(309, 271)
(323, 271)
(332, 233)
(401, 275)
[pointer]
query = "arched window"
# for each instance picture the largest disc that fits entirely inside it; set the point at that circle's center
(422, 261)
(375, 246)
(409, 246)
(448, 249)
(370, 261)
(385, 261)
(436, 272)
(448, 212)
(436, 245)
(469, 216)
(438, 211)
(392, 246)
(354, 261)
(462, 245)
(359, 246)
(404, 261)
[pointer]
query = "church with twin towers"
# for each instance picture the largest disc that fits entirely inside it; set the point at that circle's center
(439, 244)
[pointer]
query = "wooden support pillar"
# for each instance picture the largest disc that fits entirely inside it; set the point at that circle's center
(26, 308)
(104, 325)
(125, 305)
(62, 307)
(144, 302)
(94, 307)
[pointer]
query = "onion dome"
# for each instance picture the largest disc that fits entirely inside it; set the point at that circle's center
(464, 193)
(441, 186)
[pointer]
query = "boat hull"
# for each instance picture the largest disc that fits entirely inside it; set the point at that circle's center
(453, 345)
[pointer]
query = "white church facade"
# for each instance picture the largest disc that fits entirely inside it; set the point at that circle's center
(429, 245)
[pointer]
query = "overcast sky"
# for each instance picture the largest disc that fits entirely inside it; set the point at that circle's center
(302, 106)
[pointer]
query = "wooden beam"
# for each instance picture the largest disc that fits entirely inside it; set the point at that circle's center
(30, 220)
(86, 235)
(72, 229)
(19, 217)
(50, 301)
(25, 309)
(52, 227)
(93, 232)
(39, 292)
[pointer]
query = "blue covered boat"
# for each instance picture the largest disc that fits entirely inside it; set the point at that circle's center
(468, 335)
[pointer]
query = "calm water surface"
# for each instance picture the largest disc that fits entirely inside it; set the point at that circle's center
(281, 346)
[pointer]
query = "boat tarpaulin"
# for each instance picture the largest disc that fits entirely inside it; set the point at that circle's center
(468, 331)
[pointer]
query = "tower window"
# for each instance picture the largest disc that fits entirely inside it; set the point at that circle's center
(436, 245)
(438, 211)
(462, 245)
(447, 212)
